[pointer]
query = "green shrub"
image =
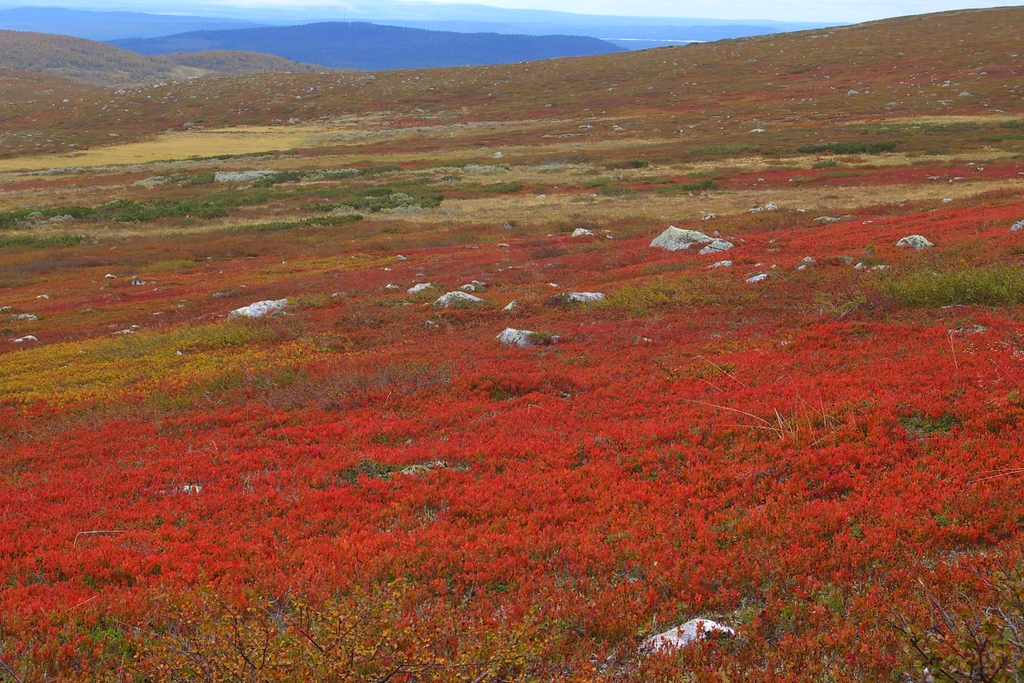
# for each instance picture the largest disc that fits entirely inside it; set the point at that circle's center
(627, 164)
(848, 148)
(993, 285)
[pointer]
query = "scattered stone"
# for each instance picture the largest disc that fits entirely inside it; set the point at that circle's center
(26, 338)
(391, 287)
(419, 288)
(511, 306)
(684, 634)
(128, 330)
(459, 300)
(721, 264)
(43, 296)
(110, 276)
(716, 246)
(767, 207)
(498, 155)
(582, 232)
(709, 217)
(675, 239)
(915, 242)
(757, 130)
(424, 467)
(523, 338)
(140, 283)
(1017, 227)
(259, 309)
(827, 219)
(805, 263)
(401, 258)
(760, 277)
(24, 316)
(504, 245)
(584, 297)
(468, 287)
(947, 200)
(191, 488)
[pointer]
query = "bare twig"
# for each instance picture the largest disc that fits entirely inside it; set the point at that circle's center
(96, 532)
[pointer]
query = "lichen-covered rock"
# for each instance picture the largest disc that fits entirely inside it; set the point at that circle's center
(259, 309)
(716, 246)
(584, 297)
(915, 242)
(459, 300)
(675, 239)
(418, 288)
(685, 634)
(513, 337)
(760, 277)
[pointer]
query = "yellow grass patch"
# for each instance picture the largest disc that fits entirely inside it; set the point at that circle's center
(172, 147)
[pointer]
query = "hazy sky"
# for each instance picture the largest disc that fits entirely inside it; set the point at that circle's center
(821, 11)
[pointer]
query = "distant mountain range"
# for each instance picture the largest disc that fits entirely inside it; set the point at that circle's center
(373, 47)
(629, 32)
(109, 25)
(102, 64)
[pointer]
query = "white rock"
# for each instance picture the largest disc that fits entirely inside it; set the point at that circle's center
(716, 246)
(721, 264)
(709, 216)
(43, 296)
(947, 200)
(684, 634)
(760, 277)
(391, 287)
(458, 299)
(259, 308)
(1017, 227)
(584, 297)
(110, 276)
(24, 316)
(805, 263)
(418, 288)
(498, 155)
(674, 239)
(915, 242)
(468, 287)
(513, 337)
(26, 338)
(511, 306)
(757, 130)
(582, 232)
(401, 258)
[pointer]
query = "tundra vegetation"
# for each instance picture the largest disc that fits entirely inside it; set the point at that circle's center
(815, 444)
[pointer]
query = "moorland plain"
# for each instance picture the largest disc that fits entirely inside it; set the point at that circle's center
(809, 445)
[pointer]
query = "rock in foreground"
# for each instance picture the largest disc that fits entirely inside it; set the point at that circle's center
(684, 634)
(259, 309)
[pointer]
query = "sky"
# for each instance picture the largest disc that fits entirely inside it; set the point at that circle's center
(817, 11)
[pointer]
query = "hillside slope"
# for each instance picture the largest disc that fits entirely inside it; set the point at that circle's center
(372, 47)
(101, 64)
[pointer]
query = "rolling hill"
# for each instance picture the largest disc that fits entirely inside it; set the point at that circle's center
(372, 47)
(101, 64)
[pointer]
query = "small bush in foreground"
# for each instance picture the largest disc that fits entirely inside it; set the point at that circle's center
(972, 643)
